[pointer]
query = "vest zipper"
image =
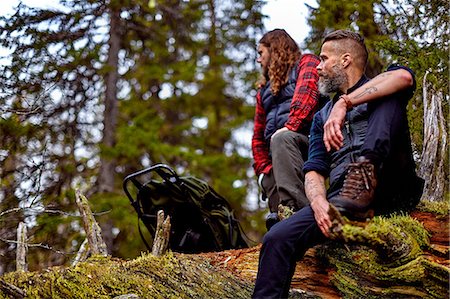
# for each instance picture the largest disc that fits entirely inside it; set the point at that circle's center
(349, 134)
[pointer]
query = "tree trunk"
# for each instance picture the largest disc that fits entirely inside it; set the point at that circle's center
(107, 168)
(434, 152)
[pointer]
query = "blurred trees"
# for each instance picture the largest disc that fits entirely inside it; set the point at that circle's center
(413, 33)
(95, 90)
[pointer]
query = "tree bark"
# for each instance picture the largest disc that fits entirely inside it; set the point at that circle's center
(82, 254)
(107, 167)
(435, 151)
(315, 276)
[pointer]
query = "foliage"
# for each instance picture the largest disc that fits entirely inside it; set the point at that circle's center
(185, 74)
(355, 15)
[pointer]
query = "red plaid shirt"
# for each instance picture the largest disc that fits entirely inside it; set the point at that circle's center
(303, 106)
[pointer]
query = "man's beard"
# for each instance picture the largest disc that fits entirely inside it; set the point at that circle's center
(329, 83)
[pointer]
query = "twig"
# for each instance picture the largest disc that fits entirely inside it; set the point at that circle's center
(12, 290)
(40, 245)
(82, 253)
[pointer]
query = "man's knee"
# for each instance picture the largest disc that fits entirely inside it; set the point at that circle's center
(269, 238)
(276, 235)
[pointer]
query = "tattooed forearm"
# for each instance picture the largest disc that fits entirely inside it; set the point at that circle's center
(314, 187)
(379, 80)
(367, 91)
(385, 74)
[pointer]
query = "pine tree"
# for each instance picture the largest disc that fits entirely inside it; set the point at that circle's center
(98, 89)
(358, 16)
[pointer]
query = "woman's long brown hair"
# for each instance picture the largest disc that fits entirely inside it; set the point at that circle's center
(284, 55)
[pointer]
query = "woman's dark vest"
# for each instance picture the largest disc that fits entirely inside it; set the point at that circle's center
(277, 107)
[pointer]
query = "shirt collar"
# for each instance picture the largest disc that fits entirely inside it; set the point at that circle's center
(363, 80)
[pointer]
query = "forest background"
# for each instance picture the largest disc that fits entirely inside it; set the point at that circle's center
(95, 90)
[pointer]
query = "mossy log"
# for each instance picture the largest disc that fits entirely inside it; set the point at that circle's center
(172, 275)
(402, 256)
(388, 257)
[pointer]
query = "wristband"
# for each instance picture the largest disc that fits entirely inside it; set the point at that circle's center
(347, 102)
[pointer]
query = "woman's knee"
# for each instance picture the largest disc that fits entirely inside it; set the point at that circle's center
(283, 137)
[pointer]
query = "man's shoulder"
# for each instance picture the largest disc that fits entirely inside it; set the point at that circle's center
(397, 66)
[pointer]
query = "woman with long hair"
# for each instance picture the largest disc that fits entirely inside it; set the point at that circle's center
(286, 101)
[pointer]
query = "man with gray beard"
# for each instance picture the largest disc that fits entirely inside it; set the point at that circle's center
(359, 141)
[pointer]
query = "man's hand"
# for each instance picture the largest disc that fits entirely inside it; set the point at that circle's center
(332, 129)
(320, 208)
(316, 193)
(278, 131)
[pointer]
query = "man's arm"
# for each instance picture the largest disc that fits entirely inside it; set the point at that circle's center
(316, 193)
(382, 85)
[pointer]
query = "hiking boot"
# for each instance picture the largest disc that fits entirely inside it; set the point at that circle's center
(357, 194)
(271, 220)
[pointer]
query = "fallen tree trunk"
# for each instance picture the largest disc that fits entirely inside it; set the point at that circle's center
(395, 257)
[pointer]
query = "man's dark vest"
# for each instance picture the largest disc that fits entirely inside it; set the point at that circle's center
(277, 107)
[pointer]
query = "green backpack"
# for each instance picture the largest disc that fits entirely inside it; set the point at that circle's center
(201, 219)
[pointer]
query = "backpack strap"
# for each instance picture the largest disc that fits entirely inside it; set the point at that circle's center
(142, 235)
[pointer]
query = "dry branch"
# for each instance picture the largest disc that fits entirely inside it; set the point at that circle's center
(22, 248)
(82, 253)
(162, 234)
(12, 290)
(91, 227)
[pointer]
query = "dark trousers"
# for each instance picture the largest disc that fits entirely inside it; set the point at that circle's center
(388, 147)
(284, 244)
(387, 131)
(285, 183)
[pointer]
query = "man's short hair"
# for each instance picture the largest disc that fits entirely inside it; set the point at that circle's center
(350, 42)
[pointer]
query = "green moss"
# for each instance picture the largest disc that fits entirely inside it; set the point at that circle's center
(435, 207)
(169, 276)
(383, 258)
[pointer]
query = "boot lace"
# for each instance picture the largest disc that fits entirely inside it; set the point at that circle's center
(357, 180)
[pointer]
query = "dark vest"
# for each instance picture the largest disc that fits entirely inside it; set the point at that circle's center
(354, 133)
(277, 107)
